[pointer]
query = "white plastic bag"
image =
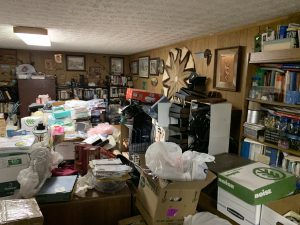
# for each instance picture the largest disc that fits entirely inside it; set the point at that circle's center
(32, 178)
(165, 160)
(204, 218)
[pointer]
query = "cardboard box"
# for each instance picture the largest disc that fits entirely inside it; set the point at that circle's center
(162, 202)
(20, 212)
(272, 212)
(237, 209)
(10, 166)
(257, 183)
(142, 95)
(135, 220)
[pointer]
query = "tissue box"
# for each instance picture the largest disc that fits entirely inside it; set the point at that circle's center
(30, 122)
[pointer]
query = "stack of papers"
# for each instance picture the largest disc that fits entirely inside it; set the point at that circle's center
(110, 169)
(16, 144)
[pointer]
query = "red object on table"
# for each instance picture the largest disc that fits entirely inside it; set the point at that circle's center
(84, 153)
(142, 95)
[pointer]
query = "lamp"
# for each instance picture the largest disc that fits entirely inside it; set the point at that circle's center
(33, 35)
(206, 54)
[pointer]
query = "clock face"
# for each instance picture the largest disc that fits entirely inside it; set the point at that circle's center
(178, 67)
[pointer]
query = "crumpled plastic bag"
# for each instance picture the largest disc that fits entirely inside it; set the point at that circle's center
(32, 178)
(166, 160)
(204, 218)
(83, 184)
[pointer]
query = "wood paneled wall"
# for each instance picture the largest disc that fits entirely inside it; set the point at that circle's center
(37, 58)
(239, 37)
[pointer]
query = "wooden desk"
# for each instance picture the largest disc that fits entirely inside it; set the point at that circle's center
(96, 208)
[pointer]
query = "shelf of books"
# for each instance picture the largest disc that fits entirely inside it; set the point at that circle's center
(274, 103)
(272, 127)
(270, 145)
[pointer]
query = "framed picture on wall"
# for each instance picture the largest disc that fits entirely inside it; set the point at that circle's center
(154, 66)
(134, 67)
(226, 68)
(116, 65)
(75, 62)
(144, 67)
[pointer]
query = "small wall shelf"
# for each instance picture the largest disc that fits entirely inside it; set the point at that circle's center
(279, 56)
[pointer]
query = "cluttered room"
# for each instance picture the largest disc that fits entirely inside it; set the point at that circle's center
(149, 113)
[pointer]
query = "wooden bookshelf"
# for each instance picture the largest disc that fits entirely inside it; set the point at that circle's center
(290, 151)
(279, 104)
(278, 56)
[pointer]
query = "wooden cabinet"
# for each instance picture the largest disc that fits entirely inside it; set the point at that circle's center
(282, 61)
(30, 89)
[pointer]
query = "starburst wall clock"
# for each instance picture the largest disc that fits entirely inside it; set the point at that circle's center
(178, 67)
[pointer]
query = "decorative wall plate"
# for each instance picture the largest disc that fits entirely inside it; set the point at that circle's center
(154, 81)
(178, 67)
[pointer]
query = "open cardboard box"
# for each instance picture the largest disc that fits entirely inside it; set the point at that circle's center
(162, 202)
(272, 212)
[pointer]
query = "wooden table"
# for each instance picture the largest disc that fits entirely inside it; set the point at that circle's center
(96, 208)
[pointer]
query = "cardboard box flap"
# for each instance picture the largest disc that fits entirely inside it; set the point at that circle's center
(200, 184)
(272, 212)
(284, 205)
(159, 184)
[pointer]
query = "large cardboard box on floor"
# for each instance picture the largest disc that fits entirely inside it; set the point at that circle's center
(135, 220)
(237, 209)
(162, 202)
(257, 183)
(20, 212)
(10, 166)
(272, 212)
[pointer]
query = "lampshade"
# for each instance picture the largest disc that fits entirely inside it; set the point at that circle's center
(33, 35)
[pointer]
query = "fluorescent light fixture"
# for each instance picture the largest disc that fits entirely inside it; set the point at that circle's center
(33, 35)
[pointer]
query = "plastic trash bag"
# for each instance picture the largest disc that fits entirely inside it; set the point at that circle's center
(165, 160)
(204, 218)
(32, 178)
